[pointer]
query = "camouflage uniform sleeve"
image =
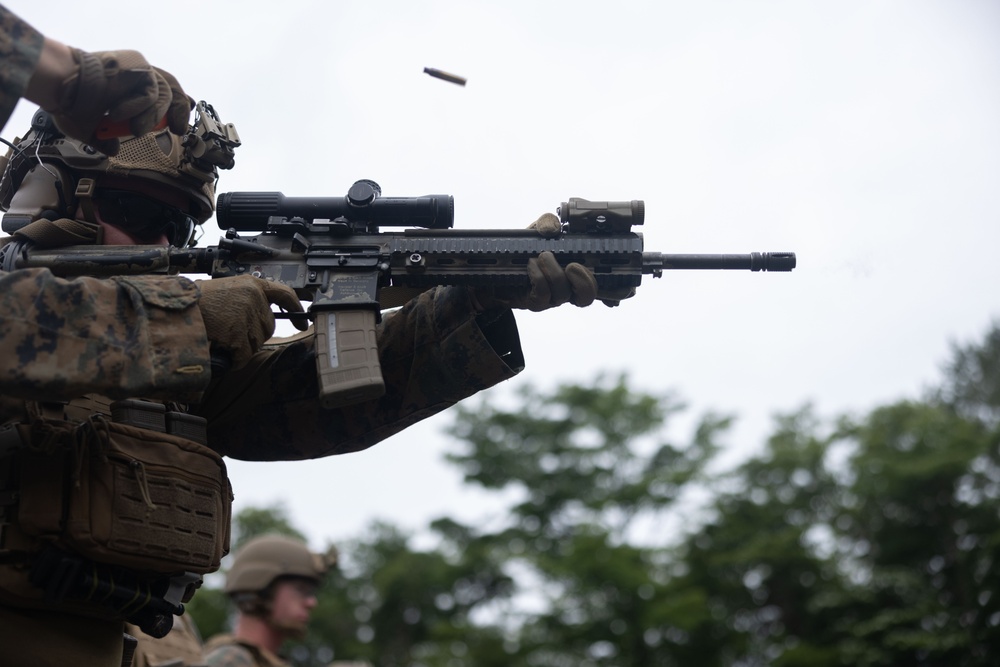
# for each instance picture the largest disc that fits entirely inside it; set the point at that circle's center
(434, 352)
(181, 647)
(20, 47)
(121, 337)
(232, 655)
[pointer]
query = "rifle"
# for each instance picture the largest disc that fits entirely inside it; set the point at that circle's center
(331, 252)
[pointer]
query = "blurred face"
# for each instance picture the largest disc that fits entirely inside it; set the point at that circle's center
(293, 601)
(133, 212)
(116, 236)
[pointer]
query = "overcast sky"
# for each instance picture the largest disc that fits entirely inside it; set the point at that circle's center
(861, 134)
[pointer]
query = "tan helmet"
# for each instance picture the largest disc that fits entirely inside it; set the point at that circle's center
(43, 173)
(262, 560)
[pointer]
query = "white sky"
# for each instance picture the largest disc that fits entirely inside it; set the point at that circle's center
(861, 134)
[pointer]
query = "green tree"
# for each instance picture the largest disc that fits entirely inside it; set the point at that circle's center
(252, 522)
(860, 540)
(867, 540)
(415, 607)
(971, 384)
(592, 466)
(872, 544)
(770, 597)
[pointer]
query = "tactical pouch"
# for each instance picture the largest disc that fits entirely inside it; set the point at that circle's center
(127, 496)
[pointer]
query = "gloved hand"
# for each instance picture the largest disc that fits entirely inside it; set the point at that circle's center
(551, 284)
(237, 313)
(123, 86)
(614, 297)
(549, 226)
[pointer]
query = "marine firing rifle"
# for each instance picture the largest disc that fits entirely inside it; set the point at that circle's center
(331, 252)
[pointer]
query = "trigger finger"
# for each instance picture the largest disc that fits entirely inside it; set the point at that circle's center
(283, 296)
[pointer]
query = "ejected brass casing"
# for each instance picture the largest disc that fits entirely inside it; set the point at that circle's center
(438, 74)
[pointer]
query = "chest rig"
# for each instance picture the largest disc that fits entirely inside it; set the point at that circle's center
(111, 509)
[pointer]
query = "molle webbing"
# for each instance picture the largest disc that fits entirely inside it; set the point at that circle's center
(45, 233)
(125, 489)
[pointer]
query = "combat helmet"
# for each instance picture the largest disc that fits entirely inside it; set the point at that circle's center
(265, 559)
(48, 175)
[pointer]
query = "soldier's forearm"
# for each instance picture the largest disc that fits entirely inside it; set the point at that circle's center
(20, 50)
(55, 64)
(132, 336)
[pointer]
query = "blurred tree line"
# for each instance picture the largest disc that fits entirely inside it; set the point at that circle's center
(863, 540)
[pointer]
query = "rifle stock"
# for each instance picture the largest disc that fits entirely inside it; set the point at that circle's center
(331, 252)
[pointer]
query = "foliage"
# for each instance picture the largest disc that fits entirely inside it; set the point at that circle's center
(863, 540)
(252, 522)
(971, 384)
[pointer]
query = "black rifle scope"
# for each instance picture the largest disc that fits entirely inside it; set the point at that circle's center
(250, 211)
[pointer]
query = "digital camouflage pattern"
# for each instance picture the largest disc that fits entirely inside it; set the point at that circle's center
(20, 46)
(227, 651)
(143, 336)
(181, 647)
(434, 352)
(138, 335)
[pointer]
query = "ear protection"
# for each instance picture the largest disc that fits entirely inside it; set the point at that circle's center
(46, 191)
(31, 189)
(256, 603)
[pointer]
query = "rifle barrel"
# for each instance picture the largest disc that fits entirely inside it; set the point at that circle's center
(653, 262)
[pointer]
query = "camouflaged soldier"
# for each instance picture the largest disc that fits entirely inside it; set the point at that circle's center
(79, 88)
(273, 582)
(64, 339)
(181, 647)
(113, 506)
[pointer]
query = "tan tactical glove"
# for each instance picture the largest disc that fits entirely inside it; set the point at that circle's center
(551, 284)
(123, 86)
(549, 226)
(237, 313)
